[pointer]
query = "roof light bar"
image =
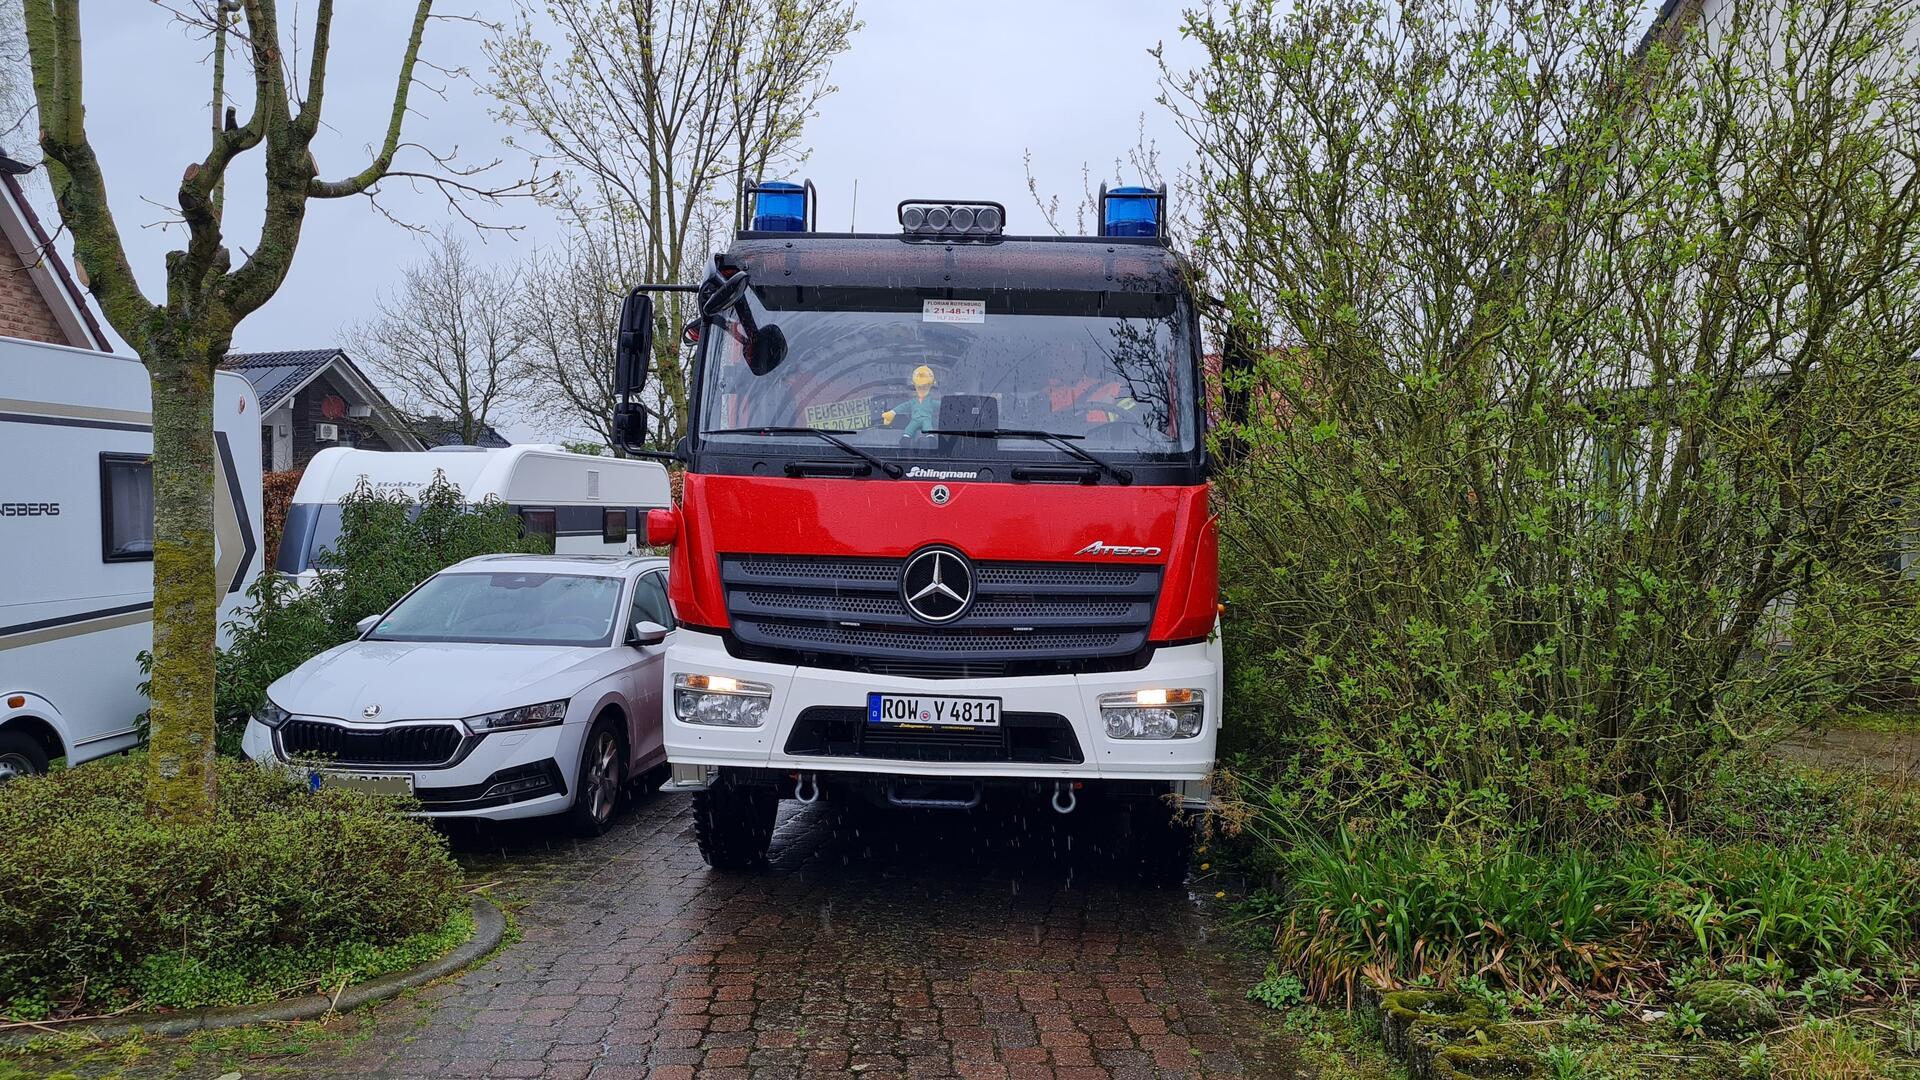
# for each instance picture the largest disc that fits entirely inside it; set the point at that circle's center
(933, 219)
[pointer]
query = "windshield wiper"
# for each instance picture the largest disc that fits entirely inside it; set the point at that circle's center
(1055, 438)
(887, 467)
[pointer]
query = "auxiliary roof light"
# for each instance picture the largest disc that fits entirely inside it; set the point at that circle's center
(1132, 210)
(929, 219)
(781, 206)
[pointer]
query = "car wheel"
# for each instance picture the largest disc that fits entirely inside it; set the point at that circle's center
(20, 756)
(596, 791)
(733, 824)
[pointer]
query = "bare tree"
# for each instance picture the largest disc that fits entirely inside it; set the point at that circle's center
(183, 336)
(657, 110)
(450, 340)
(569, 302)
(16, 88)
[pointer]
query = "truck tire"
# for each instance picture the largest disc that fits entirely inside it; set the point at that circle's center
(734, 824)
(1162, 842)
(20, 755)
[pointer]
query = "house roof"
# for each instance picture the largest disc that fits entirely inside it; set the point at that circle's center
(277, 376)
(21, 228)
(442, 431)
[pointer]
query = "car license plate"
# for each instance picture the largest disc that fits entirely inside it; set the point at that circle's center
(929, 711)
(366, 783)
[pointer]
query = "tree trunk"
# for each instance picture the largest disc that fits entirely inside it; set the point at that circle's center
(180, 778)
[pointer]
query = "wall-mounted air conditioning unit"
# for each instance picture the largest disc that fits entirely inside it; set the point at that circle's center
(326, 432)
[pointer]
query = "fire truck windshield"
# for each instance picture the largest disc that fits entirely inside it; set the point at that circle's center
(890, 369)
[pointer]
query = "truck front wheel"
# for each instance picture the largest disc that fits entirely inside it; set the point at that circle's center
(734, 823)
(1162, 841)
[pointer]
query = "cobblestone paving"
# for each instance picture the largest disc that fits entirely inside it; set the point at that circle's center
(990, 944)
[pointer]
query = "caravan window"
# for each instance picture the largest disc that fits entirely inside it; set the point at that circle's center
(126, 507)
(540, 523)
(613, 527)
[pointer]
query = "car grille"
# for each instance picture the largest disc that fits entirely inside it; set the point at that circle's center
(820, 608)
(843, 731)
(402, 744)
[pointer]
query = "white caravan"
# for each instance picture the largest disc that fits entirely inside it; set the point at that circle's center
(587, 505)
(76, 543)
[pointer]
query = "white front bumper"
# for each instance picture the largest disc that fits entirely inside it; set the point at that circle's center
(796, 689)
(497, 752)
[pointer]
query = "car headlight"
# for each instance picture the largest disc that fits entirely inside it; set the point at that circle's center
(1153, 714)
(271, 715)
(720, 700)
(526, 716)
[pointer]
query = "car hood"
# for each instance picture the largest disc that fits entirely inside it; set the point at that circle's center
(411, 680)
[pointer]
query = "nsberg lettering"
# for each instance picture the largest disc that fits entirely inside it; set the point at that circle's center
(29, 509)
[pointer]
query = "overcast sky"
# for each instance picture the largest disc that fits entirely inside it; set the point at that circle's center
(933, 101)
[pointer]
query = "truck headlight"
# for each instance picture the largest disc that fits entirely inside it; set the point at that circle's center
(1153, 714)
(271, 715)
(720, 700)
(526, 716)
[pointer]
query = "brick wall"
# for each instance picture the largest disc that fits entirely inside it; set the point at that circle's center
(23, 313)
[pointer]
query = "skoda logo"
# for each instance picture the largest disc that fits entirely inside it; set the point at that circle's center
(940, 494)
(370, 712)
(937, 585)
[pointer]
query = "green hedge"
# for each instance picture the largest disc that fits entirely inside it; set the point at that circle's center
(102, 906)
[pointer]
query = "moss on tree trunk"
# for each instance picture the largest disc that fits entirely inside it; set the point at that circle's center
(185, 594)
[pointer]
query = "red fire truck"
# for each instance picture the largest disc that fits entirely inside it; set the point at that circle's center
(945, 534)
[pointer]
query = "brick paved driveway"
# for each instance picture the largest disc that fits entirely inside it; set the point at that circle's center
(876, 945)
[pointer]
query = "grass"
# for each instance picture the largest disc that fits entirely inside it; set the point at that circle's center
(1886, 723)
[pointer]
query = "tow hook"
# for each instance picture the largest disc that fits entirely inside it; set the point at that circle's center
(806, 788)
(1064, 800)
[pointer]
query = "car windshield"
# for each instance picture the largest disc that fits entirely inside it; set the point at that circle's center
(506, 608)
(888, 368)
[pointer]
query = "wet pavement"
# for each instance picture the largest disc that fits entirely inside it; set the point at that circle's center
(876, 944)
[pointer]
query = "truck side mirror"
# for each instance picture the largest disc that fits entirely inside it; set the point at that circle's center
(629, 425)
(723, 296)
(633, 352)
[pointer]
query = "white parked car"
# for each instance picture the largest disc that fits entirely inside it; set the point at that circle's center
(505, 686)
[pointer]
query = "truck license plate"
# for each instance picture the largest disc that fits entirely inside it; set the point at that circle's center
(368, 783)
(929, 711)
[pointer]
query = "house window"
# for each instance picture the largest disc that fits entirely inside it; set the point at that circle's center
(126, 507)
(613, 527)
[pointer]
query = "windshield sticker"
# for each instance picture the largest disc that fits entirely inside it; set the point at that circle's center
(953, 311)
(919, 473)
(854, 415)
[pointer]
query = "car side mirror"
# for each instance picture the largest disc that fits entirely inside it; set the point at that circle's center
(365, 625)
(633, 351)
(646, 632)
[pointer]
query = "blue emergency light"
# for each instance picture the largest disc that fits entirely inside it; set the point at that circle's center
(781, 206)
(1131, 210)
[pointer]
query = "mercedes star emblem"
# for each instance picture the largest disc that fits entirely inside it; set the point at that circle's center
(370, 712)
(937, 585)
(940, 494)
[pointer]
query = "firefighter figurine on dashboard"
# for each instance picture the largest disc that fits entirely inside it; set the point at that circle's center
(922, 409)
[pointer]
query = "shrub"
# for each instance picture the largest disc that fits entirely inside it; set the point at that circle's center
(1567, 457)
(99, 904)
(388, 544)
(276, 495)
